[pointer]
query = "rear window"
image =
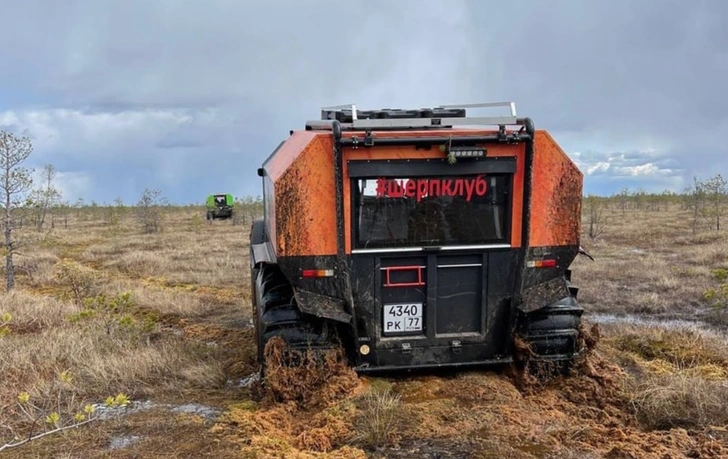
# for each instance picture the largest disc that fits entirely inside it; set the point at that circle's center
(424, 211)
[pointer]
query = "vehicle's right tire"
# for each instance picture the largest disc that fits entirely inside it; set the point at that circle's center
(552, 334)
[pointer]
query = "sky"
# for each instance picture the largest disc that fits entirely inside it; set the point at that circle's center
(190, 97)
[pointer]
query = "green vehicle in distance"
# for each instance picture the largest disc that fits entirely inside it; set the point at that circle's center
(220, 206)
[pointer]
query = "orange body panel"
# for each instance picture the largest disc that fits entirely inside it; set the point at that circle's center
(556, 196)
(302, 172)
(304, 210)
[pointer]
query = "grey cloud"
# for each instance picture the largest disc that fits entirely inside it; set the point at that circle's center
(623, 66)
(176, 142)
(627, 158)
(619, 76)
(232, 53)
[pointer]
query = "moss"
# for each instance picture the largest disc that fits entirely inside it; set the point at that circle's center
(378, 385)
(245, 405)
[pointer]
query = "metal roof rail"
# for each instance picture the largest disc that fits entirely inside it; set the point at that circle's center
(437, 117)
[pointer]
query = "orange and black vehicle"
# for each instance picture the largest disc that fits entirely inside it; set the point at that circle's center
(419, 238)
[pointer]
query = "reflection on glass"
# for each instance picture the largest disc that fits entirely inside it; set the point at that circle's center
(424, 211)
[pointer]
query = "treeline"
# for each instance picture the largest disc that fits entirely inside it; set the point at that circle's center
(705, 201)
(26, 204)
(148, 210)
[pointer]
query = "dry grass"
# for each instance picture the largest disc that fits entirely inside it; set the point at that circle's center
(650, 262)
(679, 375)
(680, 400)
(308, 377)
(648, 391)
(380, 419)
(148, 349)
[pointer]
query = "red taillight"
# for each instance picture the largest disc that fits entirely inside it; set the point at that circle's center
(318, 272)
(550, 263)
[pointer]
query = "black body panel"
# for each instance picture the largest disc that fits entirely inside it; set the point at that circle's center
(463, 300)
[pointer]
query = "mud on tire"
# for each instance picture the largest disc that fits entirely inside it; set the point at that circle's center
(552, 336)
(277, 316)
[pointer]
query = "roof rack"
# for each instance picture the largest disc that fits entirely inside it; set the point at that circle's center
(443, 116)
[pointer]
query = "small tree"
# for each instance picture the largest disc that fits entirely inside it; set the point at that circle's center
(595, 216)
(64, 208)
(624, 197)
(117, 211)
(46, 197)
(15, 181)
(716, 191)
(149, 210)
(695, 197)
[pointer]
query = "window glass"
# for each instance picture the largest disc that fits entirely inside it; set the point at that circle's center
(425, 211)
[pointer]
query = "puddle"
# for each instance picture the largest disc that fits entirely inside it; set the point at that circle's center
(246, 381)
(124, 442)
(670, 324)
(206, 412)
(104, 412)
(634, 319)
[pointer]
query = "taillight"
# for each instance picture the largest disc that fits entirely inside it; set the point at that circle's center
(550, 263)
(318, 273)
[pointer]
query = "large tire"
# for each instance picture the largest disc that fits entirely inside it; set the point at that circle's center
(553, 333)
(275, 312)
(257, 236)
(277, 315)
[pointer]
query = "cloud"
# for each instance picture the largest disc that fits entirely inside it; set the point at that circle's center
(608, 172)
(192, 97)
(74, 185)
(71, 185)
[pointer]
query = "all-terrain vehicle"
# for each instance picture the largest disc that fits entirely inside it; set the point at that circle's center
(419, 238)
(220, 206)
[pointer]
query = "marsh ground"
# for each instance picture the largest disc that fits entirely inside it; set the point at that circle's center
(165, 320)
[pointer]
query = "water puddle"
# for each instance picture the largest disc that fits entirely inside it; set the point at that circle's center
(124, 441)
(206, 412)
(246, 381)
(670, 324)
(105, 412)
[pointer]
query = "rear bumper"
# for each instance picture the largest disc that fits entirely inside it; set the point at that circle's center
(365, 369)
(548, 347)
(467, 355)
(222, 212)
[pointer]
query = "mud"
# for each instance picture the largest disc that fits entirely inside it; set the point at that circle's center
(543, 294)
(308, 378)
(477, 414)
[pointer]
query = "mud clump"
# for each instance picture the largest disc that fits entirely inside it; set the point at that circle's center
(310, 378)
(528, 375)
(315, 410)
(303, 406)
(283, 429)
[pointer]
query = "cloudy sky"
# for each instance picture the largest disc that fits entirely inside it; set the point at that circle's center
(191, 96)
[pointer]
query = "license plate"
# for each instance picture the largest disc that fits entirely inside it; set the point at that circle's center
(402, 318)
